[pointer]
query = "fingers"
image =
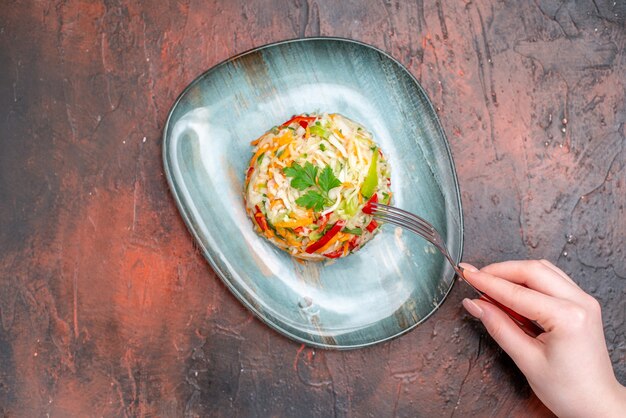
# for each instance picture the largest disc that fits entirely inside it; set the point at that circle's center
(530, 303)
(506, 333)
(538, 275)
(558, 271)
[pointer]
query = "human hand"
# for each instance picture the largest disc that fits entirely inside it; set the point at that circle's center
(568, 366)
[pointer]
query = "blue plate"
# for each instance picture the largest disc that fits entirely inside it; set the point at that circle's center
(397, 280)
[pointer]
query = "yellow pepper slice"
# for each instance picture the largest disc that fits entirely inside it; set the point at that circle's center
(294, 223)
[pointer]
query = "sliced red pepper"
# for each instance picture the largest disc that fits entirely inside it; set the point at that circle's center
(298, 230)
(327, 237)
(301, 120)
(334, 254)
(372, 226)
(368, 206)
(260, 219)
(352, 242)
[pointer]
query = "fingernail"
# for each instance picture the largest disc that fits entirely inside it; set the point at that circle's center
(468, 267)
(473, 309)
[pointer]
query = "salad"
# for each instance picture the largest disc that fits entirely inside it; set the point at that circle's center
(308, 182)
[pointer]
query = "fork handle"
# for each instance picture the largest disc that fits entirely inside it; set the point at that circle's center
(529, 326)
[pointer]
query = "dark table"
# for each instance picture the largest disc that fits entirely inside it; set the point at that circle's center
(108, 309)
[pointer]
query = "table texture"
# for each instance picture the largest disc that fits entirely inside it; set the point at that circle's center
(108, 309)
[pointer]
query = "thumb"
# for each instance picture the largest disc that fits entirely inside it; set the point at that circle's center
(519, 346)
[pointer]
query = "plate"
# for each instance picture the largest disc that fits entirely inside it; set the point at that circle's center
(397, 280)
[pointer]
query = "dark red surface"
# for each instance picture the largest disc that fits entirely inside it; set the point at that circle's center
(106, 307)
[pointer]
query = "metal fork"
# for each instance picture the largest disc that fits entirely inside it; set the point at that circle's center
(424, 229)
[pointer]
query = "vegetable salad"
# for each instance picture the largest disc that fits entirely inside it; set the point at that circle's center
(310, 180)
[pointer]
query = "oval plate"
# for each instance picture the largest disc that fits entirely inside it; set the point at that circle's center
(397, 280)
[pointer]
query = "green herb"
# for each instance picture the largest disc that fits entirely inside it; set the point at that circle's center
(327, 180)
(306, 177)
(323, 147)
(355, 231)
(312, 200)
(386, 198)
(260, 158)
(303, 177)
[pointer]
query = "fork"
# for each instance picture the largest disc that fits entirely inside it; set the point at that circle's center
(424, 229)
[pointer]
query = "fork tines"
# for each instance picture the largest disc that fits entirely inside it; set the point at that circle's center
(403, 219)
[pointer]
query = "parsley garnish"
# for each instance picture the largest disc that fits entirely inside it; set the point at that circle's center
(303, 177)
(306, 177)
(312, 200)
(327, 179)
